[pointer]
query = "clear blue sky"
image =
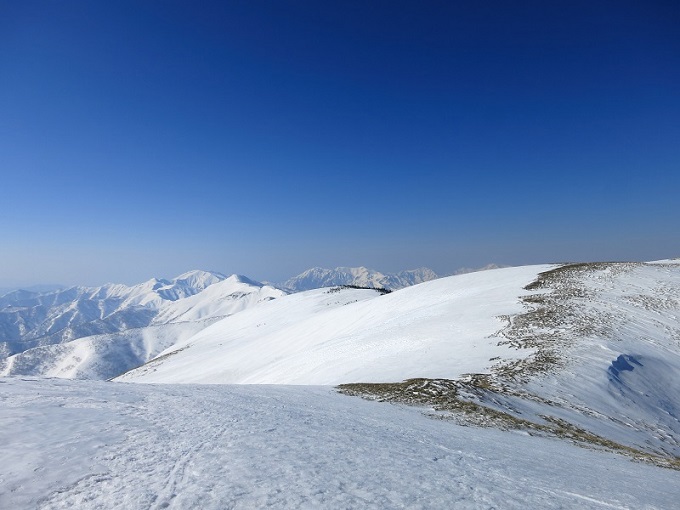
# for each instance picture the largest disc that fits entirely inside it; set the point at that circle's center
(143, 139)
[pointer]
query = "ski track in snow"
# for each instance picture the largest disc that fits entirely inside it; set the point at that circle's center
(87, 445)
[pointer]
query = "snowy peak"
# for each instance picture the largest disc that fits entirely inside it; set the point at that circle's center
(197, 279)
(231, 295)
(318, 277)
(416, 276)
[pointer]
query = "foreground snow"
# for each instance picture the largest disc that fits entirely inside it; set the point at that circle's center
(85, 444)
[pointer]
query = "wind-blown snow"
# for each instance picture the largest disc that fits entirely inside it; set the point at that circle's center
(86, 445)
(633, 316)
(442, 328)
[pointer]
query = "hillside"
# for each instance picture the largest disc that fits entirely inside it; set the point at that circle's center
(440, 328)
(585, 351)
(549, 386)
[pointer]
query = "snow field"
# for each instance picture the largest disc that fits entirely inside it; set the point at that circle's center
(88, 444)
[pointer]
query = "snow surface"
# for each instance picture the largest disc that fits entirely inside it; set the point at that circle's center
(624, 373)
(88, 444)
(439, 329)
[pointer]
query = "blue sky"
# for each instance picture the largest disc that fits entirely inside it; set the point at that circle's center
(143, 139)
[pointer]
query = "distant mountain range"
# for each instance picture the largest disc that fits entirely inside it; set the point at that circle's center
(318, 277)
(465, 270)
(99, 332)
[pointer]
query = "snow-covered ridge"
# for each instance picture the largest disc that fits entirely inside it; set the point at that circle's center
(318, 277)
(440, 328)
(587, 351)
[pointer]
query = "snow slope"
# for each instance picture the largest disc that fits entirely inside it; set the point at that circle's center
(586, 352)
(91, 445)
(441, 328)
(318, 277)
(615, 331)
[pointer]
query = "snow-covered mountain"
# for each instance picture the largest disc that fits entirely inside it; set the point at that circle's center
(593, 346)
(585, 353)
(319, 277)
(29, 319)
(101, 332)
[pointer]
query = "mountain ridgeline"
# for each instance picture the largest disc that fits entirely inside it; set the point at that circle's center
(318, 277)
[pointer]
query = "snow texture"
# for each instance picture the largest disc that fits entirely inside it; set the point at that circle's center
(90, 445)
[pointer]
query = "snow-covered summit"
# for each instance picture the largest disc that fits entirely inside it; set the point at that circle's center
(221, 299)
(190, 283)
